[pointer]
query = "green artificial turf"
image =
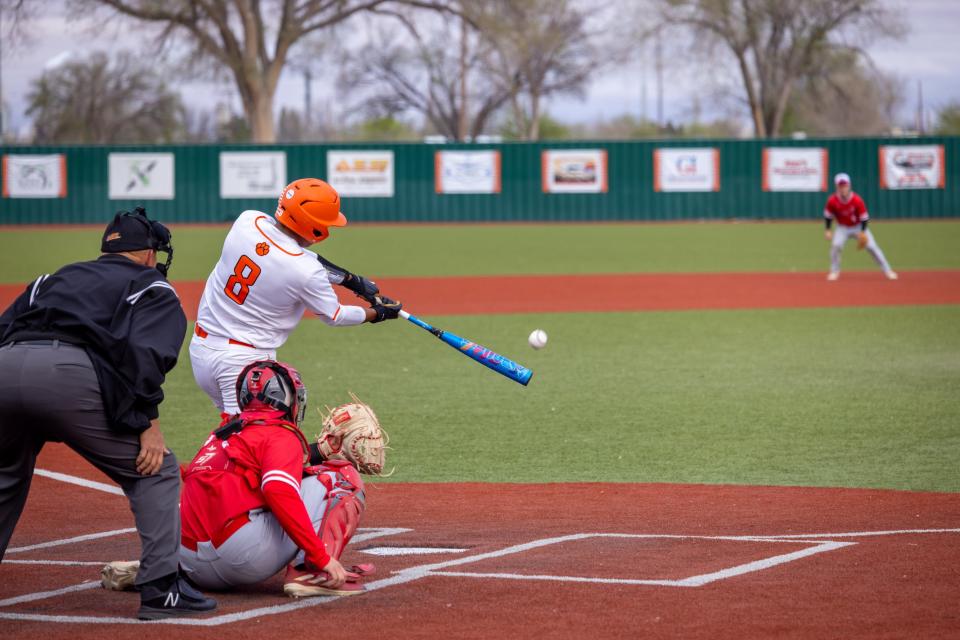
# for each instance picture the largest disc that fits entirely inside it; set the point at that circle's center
(432, 250)
(856, 397)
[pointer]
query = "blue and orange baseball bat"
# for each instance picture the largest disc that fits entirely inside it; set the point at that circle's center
(486, 357)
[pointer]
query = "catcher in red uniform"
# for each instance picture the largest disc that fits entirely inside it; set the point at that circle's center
(258, 495)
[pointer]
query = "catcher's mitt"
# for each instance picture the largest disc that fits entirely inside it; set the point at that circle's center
(861, 240)
(352, 432)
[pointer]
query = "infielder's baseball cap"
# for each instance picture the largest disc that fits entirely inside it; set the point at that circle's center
(841, 178)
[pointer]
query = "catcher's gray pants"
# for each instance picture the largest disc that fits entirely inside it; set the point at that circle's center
(50, 393)
(255, 551)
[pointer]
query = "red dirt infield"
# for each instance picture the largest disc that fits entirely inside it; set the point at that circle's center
(542, 560)
(638, 292)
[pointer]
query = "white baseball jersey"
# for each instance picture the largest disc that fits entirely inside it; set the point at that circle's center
(262, 284)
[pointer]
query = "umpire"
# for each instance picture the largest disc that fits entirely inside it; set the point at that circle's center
(84, 353)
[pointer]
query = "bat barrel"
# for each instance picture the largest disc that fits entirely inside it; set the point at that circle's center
(489, 358)
(486, 357)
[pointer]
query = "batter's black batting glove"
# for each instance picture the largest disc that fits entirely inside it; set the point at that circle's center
(385, 308)
(366, 289)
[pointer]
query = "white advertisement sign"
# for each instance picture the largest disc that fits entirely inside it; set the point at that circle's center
(361, 174)
(575, 171)
(912, 167)
(467, 171)
(252, 174)
(34, 176)
(794, 169)
(141, 176)
(696, 169)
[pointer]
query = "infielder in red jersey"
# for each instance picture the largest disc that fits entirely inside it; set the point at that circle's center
(253, 502)
(264, 281)
(850, 213)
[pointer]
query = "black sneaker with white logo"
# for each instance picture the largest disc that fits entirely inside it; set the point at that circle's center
(176, 598)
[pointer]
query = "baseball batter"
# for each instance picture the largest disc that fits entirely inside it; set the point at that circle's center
(265, 280)
(850, 213)
(251, 503)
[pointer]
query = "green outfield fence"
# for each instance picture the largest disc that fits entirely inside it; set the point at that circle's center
(628, 193)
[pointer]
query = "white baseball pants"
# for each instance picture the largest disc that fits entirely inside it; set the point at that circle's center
(216, 369)
(256, 551)
(842, 234)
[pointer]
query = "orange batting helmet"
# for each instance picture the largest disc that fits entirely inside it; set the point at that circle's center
(308, 207)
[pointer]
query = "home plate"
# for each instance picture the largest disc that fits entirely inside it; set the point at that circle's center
(409, 551)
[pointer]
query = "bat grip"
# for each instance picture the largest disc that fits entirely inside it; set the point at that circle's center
(420, 323)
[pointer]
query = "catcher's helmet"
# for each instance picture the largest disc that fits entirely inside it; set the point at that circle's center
(266, 385)
(308, 207)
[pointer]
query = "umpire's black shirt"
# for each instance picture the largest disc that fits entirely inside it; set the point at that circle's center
(126, 316)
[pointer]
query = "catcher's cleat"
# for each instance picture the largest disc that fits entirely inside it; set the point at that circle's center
(119, 575)
(301, 583)
(833, 275)
(362, 570)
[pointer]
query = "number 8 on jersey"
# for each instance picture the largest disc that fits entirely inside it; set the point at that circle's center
(245, 273)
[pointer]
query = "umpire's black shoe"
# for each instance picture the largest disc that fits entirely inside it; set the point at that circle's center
(172, 599)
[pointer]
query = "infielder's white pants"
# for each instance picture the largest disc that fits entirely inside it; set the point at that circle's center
(256, 551)
(840, 237)
(216, 369)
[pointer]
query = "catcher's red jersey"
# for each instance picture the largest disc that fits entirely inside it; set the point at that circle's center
(258, 468)
(849, 213)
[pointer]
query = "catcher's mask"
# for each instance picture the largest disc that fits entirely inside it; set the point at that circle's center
(267, 384)
(133, 231)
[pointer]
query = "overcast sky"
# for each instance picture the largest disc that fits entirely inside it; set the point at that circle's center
(929, 53)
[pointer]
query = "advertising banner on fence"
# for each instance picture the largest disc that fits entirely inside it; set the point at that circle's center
(361, 174)
(575, 171)
(34, 176)
(912, 167)
(141, 176)
(252, 174)
(795, 169)
(677, 169)
(467, 171)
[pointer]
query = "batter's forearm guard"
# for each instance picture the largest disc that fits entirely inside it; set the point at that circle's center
(338, 271)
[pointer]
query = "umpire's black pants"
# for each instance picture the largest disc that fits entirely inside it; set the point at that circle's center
(50, 393)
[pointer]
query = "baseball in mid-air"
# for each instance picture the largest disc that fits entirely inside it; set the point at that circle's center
(538, 339)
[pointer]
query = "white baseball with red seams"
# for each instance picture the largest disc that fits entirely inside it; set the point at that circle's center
(538, 339)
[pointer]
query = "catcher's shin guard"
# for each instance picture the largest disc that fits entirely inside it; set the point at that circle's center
(345, 504)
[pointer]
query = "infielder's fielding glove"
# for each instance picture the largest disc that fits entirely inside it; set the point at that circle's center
(352, 432)
(861, 240)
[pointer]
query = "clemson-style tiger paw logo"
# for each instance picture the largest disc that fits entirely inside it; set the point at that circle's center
(263, 248)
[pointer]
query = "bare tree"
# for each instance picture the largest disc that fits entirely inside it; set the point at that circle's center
(433, 68)
(250, 38)
(14, 17)
(845, 98)
(539, 48)
(14, 14)
(498, 53)
(777, 43)
(104, 102)
(948, 120)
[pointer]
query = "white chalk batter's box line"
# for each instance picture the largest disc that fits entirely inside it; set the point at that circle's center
(819, 543)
